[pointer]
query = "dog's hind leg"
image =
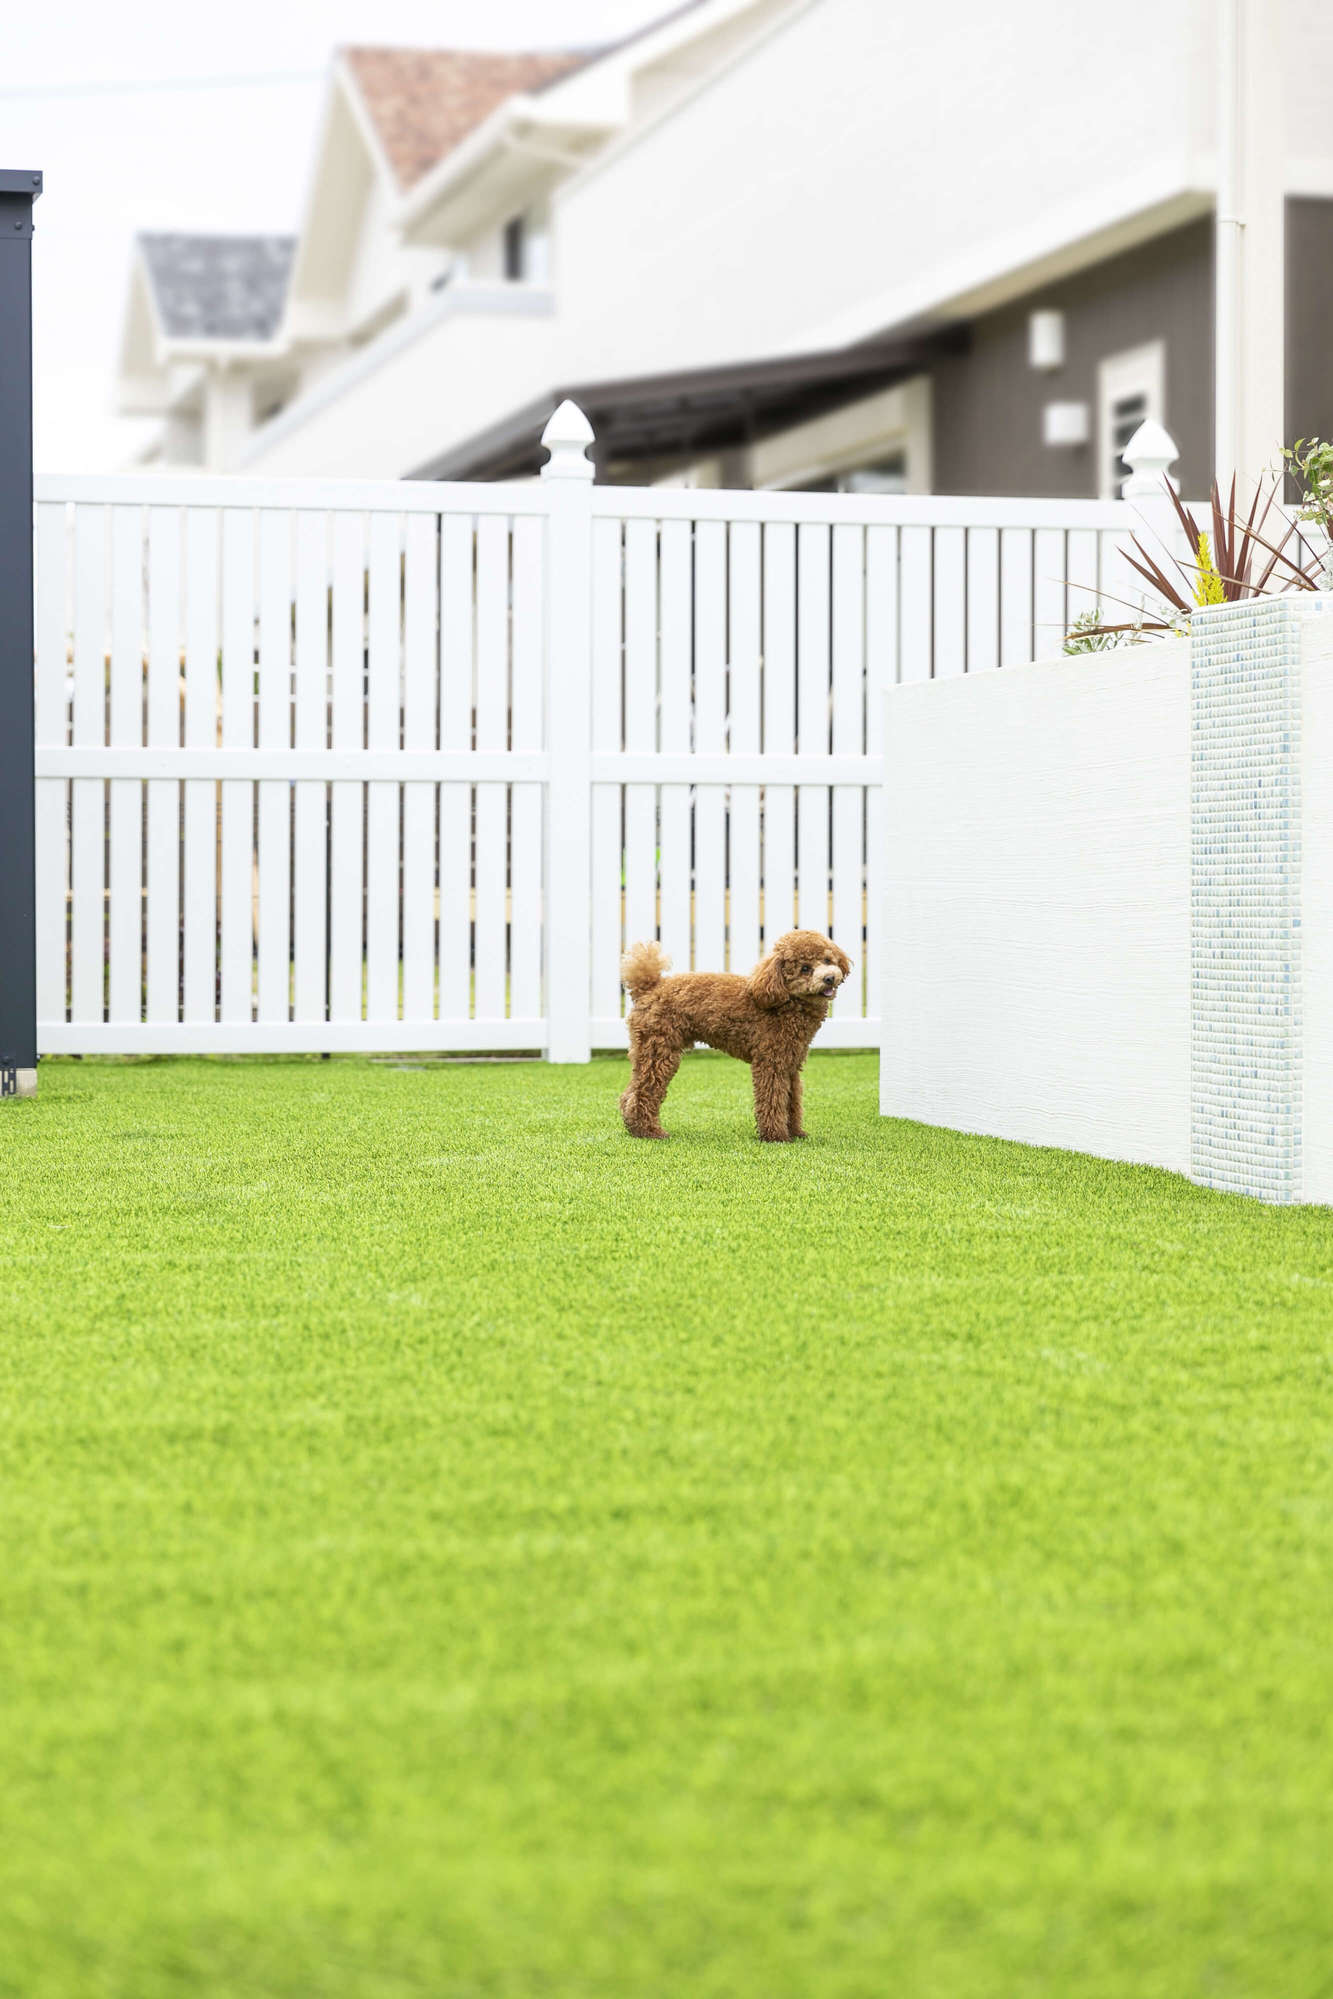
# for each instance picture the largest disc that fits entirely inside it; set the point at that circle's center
(772, 1102)
(654, 1066)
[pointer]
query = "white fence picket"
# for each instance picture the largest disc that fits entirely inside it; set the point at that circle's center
(710, 735)
(1048, 590)
(812, 721)
(640, 728)
(456, 708)
(983, 599)
(744, 668)
(420, 799)
(676, 895)
(199, 844)
(163, 918)
(847, 862)
(1015, 595)
(88, 800)
(881, 674)
(50, 703)
(916, 590)
(273, 928)
(950, 602)
(236, 945)
(1081, 572)
(779, 876)
(346, 801)
(310, 810)
(384, 669)
(492, 799)
(125, 888)
(527, 735)
(606, 724)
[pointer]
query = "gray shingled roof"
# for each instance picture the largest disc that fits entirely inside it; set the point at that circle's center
(218, 287)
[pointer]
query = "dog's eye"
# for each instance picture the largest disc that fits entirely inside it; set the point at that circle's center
(805, 968)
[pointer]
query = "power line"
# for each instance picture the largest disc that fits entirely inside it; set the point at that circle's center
(154, 83)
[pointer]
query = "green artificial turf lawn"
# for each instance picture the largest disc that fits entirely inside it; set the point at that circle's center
(450, 1548)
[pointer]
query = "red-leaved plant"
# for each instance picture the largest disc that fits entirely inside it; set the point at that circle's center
(1244, 557)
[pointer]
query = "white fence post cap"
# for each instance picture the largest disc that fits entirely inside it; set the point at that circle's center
(1149, 454)
(566, 437)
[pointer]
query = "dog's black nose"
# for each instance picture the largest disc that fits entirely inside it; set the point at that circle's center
(829, 985)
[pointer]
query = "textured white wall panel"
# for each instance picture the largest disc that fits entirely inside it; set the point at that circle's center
(1317, 903)
(1036, 981)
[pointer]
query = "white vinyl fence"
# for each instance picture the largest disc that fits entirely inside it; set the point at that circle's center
(335, 766)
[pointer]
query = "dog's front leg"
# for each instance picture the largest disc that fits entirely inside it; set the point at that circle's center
(795, 1129)
(772, 1102)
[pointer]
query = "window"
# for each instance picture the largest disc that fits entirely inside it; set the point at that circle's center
(525, 248)
(1131, 387)
(269, 397)
(885, 475)
(514, 233)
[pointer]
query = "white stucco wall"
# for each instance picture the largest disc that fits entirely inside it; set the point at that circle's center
(377, 269)
(865, 159)
(1037, 844)
(457, 366)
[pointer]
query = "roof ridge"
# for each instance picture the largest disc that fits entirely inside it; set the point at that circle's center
(215, 235)
(455, 49)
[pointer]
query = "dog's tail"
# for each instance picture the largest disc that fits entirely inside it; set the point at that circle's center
(642, 967)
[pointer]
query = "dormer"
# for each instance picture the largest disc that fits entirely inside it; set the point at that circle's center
(501, 176)
(391, 116)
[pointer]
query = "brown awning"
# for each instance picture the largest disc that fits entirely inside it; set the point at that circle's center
(696, 411)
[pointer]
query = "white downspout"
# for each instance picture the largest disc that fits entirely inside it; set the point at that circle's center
(1250, 358)
(1228, 250)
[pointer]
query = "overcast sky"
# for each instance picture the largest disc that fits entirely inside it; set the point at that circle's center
(153, 114)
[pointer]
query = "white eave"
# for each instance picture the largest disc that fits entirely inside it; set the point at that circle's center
(483, 176)
(223, 353)
(342, 100)
(562, 125)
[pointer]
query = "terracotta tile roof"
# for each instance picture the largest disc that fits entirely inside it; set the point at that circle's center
(424, 102)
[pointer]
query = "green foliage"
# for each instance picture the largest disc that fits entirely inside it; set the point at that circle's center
(451, 1549)
(1310, 462)
(1088, 634)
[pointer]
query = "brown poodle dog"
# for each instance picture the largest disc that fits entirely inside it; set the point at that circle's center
(767, 1020)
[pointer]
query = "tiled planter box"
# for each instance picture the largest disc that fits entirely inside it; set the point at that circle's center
(1110, 902)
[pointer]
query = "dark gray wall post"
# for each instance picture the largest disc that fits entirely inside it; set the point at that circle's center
(18, 939)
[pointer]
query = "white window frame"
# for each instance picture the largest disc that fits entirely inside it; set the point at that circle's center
(1137, 371)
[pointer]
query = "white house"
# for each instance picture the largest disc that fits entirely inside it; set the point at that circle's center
(222, 332)
(200, 346)
(809, 242)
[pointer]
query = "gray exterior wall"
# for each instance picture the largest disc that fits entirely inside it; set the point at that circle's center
(987, 404)
(1309, 319)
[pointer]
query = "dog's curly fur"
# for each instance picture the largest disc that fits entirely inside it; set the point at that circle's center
(767, 1020)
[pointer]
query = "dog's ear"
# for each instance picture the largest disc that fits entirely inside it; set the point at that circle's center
(767, 985)
(840, 958)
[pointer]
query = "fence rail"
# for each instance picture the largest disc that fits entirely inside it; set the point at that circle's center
(333, 765)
